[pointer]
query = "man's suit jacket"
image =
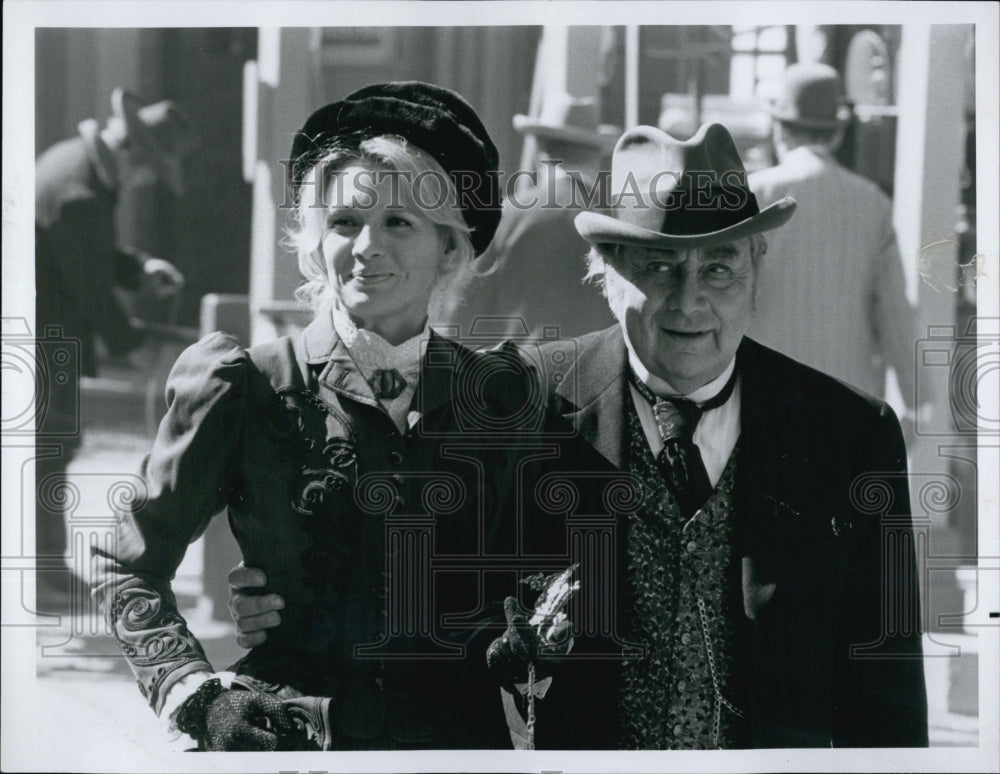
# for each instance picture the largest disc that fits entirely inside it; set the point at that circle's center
(829, 645)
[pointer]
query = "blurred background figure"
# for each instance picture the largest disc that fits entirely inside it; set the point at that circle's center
(532, 275)
(87, 285)
(833, 291)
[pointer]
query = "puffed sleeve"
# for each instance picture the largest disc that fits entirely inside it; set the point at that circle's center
(187, 478)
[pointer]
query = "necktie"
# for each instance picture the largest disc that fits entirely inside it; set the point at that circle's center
(387, 383)
(679, 460)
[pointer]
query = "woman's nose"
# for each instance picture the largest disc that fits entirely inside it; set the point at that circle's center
(368, 242)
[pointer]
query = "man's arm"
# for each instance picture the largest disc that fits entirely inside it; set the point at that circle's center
(894, 317)
(880, 697)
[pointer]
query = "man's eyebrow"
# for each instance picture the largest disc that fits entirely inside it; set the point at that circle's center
(721, 251)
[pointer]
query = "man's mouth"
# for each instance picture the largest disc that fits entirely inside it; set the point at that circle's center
(690, 335)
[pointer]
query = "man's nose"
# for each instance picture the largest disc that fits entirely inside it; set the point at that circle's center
(687, 295)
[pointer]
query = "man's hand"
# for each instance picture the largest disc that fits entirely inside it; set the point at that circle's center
(253, 613)
(161, 278)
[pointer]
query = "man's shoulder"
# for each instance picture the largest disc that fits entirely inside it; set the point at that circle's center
(768, 373)
(789, 178)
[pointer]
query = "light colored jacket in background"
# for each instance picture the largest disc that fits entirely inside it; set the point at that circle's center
(832, 289)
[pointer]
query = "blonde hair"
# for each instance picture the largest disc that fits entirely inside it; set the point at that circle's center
(392, 152)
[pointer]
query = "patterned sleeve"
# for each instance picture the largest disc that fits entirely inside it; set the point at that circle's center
(187, 478)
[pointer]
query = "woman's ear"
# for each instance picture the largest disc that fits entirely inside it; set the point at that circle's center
(449, 251)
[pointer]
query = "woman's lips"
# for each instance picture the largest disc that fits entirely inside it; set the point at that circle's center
(369, 279)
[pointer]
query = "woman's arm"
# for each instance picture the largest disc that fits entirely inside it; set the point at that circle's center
(186, 482)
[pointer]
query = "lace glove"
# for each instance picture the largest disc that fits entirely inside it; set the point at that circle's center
(220, 719)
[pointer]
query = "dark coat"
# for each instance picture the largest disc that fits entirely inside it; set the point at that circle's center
(374, 538)
(822, 494)
(77, 258)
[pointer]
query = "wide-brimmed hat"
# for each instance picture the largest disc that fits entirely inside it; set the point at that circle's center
(160, 131)
(436, 120)
(673, 193)
(569, 119)
(810, 97)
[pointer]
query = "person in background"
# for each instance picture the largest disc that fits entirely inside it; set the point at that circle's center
(342, 455)
(531, 278)
(79, 264)
(764, 581)
(832, 291)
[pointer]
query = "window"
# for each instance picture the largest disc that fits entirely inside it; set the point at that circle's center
(758, 60)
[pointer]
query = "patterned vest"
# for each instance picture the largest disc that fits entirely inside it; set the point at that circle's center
(680, 695)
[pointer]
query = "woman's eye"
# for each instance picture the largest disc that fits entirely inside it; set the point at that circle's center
(340, 222)
(397, 220)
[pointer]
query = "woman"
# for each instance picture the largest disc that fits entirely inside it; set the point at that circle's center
(349, 458)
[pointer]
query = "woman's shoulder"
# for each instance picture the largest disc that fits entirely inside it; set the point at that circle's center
(217, 354)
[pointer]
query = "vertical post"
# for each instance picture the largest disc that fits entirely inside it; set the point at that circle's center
(929, 157)
(631, 75)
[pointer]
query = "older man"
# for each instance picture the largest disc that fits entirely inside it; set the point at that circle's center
(763, 585)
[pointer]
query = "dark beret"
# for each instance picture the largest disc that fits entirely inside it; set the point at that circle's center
(436, 120)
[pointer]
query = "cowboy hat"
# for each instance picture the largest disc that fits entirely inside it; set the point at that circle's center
(681, 194)
(569, 119)
(435, 119)
(160, 131)
(810, 97)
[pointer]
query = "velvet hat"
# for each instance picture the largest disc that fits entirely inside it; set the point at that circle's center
(161, 131)
(810, 97)
(679, 194)
(436, 120)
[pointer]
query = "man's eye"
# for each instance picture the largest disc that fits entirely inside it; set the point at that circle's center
(719, 269)
(659, 267)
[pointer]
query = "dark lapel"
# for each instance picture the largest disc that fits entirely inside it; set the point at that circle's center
(437, 373)
(324, 349)
(592, 394)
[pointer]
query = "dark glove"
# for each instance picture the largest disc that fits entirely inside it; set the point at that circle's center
(508, 656)
(236, 720)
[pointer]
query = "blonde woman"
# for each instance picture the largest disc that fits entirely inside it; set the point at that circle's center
(345, 456)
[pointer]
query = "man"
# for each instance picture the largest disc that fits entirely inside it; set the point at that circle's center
(79, 264)
(532, 276)
(832, 293)
(763, 583)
